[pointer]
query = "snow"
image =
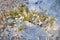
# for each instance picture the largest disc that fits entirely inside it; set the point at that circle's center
(32, 32)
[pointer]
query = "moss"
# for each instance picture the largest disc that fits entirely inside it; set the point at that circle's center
(21, 27)
(11, 24)
(29, 17)
(20, 9)
(14, 14)
(26, 9)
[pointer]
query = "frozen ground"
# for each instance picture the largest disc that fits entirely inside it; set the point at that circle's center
(32, 33)
(53, 6)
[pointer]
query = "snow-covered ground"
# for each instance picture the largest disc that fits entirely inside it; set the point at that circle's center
(31, 32)
(52, 6)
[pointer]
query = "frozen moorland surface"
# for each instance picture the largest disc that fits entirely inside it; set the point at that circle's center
(30, 32)
(53, 6)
